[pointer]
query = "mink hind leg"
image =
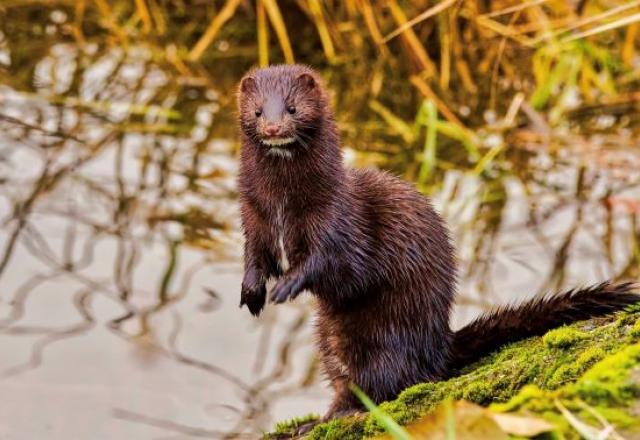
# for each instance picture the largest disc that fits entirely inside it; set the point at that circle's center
(390, 370)
(337, 372)
(343, 402)
(379, 379)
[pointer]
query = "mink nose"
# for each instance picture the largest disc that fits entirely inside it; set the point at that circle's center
(272, 130)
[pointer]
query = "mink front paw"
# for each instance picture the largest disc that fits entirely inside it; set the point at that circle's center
(253, 297)
(287, 288)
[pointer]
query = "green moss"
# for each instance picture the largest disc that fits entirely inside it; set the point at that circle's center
(564, 374)
(614, 379)
(596, 363)
(290, 426)
(480, 392)
(563, 337)
(635, 330)
(571, 371)
(590, 356)
(349, 428)
(610, 388)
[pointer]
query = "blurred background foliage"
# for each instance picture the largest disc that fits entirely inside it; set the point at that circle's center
(493, 65)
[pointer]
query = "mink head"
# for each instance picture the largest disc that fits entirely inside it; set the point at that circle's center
(282, 108)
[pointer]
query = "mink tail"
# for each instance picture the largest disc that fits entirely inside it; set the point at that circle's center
(536, 317)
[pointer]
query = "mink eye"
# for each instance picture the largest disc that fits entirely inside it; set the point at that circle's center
(258, 112)
(291, 109)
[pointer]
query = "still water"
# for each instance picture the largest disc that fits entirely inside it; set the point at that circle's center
(120, 252)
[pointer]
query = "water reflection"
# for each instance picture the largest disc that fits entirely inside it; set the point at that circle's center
(120, 264)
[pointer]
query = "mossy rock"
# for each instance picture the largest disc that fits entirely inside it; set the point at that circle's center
(591, 369)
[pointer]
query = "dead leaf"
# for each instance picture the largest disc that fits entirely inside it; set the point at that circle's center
(523, 426)
(473, 422)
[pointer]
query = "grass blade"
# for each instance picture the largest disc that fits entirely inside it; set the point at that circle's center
(143, 12)
(396, 123)
(586, 431)
(323, 31)
(430, 143)
(263, 34)
(428, 93)
(372, 25)
(216, 24)
(273, 11)
(107, 13)
(436, 9)
(487, 159)
(450, 422)
(392, 427)
(606, 27)
(412, 40)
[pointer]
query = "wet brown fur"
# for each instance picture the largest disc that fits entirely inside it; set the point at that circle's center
(370, 248)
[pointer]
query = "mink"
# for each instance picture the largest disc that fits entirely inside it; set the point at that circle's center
(368, 246)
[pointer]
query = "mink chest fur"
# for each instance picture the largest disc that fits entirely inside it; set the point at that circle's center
(367, 245)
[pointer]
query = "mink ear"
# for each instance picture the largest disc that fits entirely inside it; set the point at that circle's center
(306, 81)
(248, 84)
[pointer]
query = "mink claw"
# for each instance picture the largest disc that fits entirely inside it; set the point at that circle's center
(255, 307)
(254, 298)
(279, 297)
(285, 290)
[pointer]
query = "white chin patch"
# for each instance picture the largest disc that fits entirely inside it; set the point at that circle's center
(281, 152)
(278, 142)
